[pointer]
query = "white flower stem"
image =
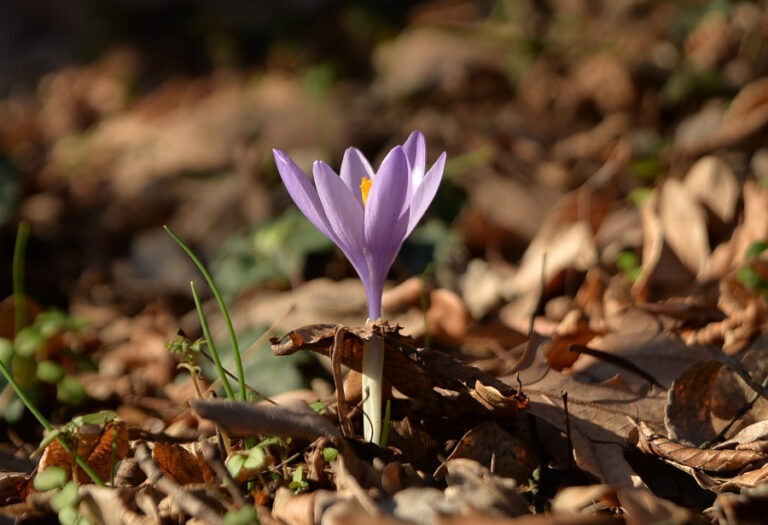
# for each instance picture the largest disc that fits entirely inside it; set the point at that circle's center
(373, 365)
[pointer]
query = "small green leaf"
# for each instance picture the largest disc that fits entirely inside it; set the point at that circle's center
(755, 249)
(319, 407)
(71, 391)
(50, 372)
(28, 342)
(66, 497)
(51, 478)
(69, 516)
(6, 350)
(298, 483)
(96, 418)
(244, 516)
(235, 464)
(330, 454)
(256, 459)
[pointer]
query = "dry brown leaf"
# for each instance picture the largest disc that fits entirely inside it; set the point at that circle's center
(747, 437)
(100, 447)
(585, 499)
(712, 181)
(571, 246)
(710, 460)
(683, 223)
(687, 415)
(180, 465)
(294, 509)
(475, 490)
(641, 506)
(495, 448)
(572, 330)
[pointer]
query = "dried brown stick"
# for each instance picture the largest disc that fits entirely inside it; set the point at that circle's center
(294, 420)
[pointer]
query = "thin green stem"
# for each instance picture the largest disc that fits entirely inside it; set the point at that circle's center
(19, 301)
(373, 365)
(46, 424)
(211, 345)
(223, 308)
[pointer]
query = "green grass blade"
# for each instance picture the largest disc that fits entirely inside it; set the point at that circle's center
(19, 301)
(222, 307)
(211, 345)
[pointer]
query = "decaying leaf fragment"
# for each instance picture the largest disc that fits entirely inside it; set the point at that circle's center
(443, 385)
(180, 465)
(503, 453)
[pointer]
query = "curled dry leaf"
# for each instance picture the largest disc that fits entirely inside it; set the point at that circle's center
(443, 386)
(687, 457)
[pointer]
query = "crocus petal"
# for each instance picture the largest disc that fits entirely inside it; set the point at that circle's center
(354, 166)
(343, 211)
(302, 192)
(386, 215)
(424, 194)
(416, 151)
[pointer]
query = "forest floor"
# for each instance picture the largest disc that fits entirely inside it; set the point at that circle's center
(574, 334)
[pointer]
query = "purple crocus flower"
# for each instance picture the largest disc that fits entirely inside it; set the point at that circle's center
(368, 216)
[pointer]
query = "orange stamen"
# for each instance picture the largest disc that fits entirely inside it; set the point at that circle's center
(365, 187)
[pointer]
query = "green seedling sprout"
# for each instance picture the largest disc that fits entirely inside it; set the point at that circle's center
(18, 294)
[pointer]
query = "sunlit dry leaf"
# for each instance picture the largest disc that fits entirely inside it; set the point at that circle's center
(294, 509)
(714, 183)
(447, 317)
(585, 499)
(684, 225)
(756, 433)
(713, 461)
(687, 415)
(653, 244)
(572, 330)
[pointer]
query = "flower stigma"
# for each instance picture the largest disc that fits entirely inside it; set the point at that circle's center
(365, 187)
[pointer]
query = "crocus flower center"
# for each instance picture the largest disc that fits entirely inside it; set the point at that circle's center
(365, 187)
